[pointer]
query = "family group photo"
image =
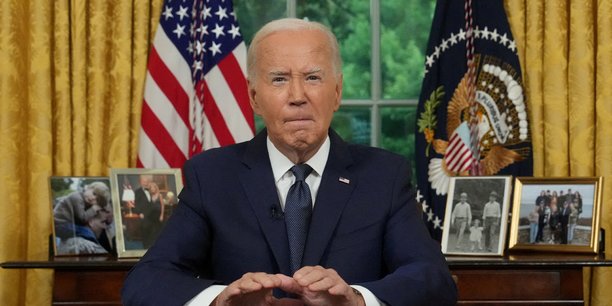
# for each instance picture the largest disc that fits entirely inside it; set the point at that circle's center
(559, 214)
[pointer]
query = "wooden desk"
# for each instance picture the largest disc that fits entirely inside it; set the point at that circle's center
(522, 280)
(95, 280)
(516, 280)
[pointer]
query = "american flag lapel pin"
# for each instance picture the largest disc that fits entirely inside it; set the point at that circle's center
(344, 180)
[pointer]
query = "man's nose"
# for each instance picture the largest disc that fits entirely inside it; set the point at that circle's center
(297, 95)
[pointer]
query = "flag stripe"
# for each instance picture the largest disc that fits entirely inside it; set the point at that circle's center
(454, 163)
(214, 116)
(171, 88)
(146, 158)
(467, 162)
(210, 139)
(238, 85)
(164, 142)
(172, 57)
(457, 163)
(167, 115)
(241, 52)
(228, 107)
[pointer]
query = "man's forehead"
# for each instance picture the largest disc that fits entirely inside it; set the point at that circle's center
(293, 43)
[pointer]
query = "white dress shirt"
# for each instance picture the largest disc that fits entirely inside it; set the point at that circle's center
(284, 178)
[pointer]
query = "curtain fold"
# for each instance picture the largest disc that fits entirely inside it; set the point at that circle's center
(555, 89)
(70, 95)
(582, 89)
(566, 55)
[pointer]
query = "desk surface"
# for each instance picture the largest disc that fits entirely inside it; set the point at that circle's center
(544, 279)
(454, 262)
(74, 262)
(529, 261)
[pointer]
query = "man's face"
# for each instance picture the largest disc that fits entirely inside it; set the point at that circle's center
(145, 180)
(97, 225)
(463, 198)
(295, 90)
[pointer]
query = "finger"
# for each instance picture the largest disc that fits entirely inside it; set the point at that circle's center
(324, 284)
(314, 275)
(289, 285)
(308, 275)
(304, 271)
(266, 280)
(257, 281)
(247, 288)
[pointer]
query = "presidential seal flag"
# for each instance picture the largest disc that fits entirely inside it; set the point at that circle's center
(472, 116)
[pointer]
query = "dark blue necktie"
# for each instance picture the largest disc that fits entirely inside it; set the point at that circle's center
(298, 209)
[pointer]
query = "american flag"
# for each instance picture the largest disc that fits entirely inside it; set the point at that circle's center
(196, 94)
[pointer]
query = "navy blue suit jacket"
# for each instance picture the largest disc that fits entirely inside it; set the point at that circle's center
(365, 224)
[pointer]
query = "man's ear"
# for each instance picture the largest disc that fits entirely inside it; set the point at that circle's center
(338, 92)
(252, 94)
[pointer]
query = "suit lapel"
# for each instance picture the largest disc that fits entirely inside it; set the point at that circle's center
(337, 184)
(258, 182)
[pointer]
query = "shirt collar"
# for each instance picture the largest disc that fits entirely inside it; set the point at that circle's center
(281, 164)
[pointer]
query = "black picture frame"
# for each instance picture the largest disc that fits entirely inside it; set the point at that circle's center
(483, 235)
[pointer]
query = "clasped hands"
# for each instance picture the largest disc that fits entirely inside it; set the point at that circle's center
(310, 286)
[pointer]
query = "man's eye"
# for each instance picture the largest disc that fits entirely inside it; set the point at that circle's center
(313, 78)
(278, 80)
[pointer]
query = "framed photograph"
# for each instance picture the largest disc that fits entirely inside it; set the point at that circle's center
(556, 214)
(476, 216)
(146, 199)
(82, 212)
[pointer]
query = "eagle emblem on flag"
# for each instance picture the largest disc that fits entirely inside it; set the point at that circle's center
(502, 125)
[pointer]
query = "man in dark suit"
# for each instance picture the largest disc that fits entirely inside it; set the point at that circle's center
(142, 197)
(230, 240)
(142, 208)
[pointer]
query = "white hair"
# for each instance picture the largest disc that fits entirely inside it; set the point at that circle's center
(291, 24)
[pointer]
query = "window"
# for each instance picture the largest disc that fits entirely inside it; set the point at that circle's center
(383, 43)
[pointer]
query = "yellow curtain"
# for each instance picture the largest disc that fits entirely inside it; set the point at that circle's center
(71, 77)
(565, 49)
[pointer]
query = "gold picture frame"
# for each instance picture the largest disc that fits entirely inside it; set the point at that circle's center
(145, 199)
(556, 214)
(483, 231)
(82, 215)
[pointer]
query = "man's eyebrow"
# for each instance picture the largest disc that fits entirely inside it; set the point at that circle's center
(278, 73)
(314, 70)
(274, 73)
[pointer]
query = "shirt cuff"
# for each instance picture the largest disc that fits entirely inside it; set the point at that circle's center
(206, 297)
(369, 297)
